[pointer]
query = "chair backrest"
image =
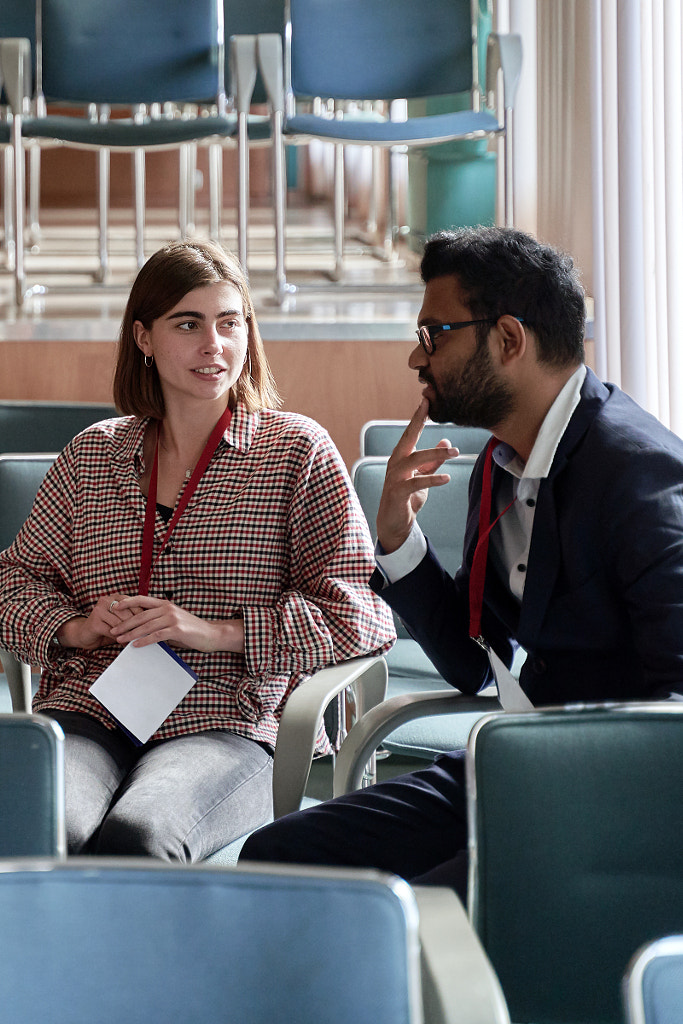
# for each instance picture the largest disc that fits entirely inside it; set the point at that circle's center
(18, 19)
(140, 942)
(380, 49)
(151, 52)
(379, 437)
(31, 787)
(576, 853)
(444, 514)
(653, 984)
(442, 518)
(20, 478)
(46, 426)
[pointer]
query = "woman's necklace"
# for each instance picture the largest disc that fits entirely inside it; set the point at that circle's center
(188, 472)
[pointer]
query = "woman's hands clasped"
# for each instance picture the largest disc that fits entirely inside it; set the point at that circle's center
(120, 619)
(148, 620)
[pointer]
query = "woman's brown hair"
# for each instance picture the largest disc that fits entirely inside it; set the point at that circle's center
(168, 275)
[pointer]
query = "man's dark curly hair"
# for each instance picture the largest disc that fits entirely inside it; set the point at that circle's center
(502, 270)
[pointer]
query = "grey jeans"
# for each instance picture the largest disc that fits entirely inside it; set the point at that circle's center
(176, 799)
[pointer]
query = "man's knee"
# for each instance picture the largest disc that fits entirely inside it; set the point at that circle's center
(272, 843)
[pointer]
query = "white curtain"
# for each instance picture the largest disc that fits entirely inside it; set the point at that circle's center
(637, 143)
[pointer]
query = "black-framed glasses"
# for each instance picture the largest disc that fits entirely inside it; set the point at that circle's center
(428, 332)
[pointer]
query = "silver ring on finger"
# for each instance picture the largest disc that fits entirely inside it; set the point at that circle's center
(111, 606)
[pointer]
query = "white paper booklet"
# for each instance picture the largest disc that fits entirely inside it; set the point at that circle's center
(142, 686)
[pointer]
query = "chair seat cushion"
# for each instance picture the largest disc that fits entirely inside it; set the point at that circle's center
(427, 130)
(410, 671)
(124, 133)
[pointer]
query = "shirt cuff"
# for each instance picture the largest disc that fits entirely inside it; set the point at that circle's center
(406, 558)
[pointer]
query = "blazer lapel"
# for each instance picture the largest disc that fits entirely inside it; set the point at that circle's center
(544, 555)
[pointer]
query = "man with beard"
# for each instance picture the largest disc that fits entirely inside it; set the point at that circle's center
(573, 547)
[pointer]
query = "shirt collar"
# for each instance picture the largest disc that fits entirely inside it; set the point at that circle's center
(549, 436)
(239, 434)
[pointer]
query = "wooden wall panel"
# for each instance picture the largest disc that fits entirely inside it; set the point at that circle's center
(341, 384)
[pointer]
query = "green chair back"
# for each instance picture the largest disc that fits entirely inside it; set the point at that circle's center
(577, 857)
(138, 942)
(31, 787)
(46, 426)
(20, 478)
(379, 437)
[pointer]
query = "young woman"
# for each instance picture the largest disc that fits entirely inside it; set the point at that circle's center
(205, 520)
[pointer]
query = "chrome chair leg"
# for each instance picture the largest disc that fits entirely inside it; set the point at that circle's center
(139, 179)
(8, 208)
(215, 191)
(18, 152)
(339, 212)
(282, 289)
(243, 182)
(183, 187)
(103, 162)
(34, 197)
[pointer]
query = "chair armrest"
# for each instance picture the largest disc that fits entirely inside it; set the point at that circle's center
(458, 981)
(18, 680)
(243, 70)
(269, 48)
(370, 730)
(303, 715)
(504, 53)
(15, 61)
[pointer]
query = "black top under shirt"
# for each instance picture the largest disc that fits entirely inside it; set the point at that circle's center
(165, 511)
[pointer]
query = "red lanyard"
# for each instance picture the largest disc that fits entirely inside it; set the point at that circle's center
(146, 564)
(478, 571)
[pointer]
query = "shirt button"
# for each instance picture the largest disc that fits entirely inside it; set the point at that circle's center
(530, 502)
(521, 567)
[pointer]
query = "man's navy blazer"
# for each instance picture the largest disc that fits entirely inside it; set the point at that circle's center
(602, 612)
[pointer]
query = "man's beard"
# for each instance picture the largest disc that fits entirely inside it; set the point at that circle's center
(476, 398)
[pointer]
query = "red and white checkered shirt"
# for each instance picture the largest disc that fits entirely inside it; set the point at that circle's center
(273, 534)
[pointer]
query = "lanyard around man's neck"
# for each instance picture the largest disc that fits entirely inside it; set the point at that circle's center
(478, 570)
(146, 564)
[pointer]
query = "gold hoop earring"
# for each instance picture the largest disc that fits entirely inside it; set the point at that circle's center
(151, 361)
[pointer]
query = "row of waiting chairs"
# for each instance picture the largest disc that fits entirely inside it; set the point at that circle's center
(167, 62)
(575, 855)
(575, 865)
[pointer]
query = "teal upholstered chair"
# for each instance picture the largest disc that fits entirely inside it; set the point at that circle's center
(20, 478)
(442, 519)
(575, 852)
(576, 857)
(162, 65)
(31, 787)
(39, 426)
(382, 51)
(653, 984)
(18, 19)
(380, 437)
(141, 941)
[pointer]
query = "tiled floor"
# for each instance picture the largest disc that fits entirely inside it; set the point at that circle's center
(378, 299)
